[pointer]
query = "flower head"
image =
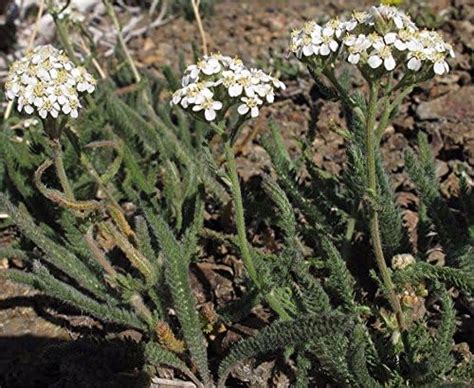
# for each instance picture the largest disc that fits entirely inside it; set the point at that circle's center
(217, 82)
(46, 81)
(383, 38)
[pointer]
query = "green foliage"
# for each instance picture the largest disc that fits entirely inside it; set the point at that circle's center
(340, 282)
(280, 334)
(176, 273)
(159, 356)
(45, 282)
(55, 253)
(391, 218)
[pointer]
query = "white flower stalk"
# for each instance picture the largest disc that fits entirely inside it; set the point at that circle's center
(218, 82)
(45, 81)
(383, 39)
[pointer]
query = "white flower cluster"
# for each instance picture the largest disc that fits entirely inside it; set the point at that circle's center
(46, 81)
(383, 36)
(218, 82)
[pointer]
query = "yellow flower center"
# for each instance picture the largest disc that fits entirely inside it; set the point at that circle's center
(38, 90)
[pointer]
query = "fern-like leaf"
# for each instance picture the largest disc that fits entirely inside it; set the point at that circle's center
(281, 334)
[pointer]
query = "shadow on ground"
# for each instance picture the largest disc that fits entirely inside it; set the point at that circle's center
(35, 362)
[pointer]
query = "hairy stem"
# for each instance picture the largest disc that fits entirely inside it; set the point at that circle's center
(63, 38)
(389, 108)
(239, 213)
(241, 230)
(329, 73)
(371, 144)
(60, 171)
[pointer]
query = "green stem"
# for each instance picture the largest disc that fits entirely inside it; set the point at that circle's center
(87, 164)
(389, 108)
(329, 73)
(239, 213)
(60, 171)
(241, 230)
(371, 144)
(350, 229)
(63, 38)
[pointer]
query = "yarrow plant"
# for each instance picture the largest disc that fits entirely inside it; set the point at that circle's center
(45, 81)
(218, 82)
(211, 87)
(393, 55)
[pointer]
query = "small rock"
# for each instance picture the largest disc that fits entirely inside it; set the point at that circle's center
(455, 106)
(407, 199)
(450, 186)
(436, 256)
(464, 29)
(131, 334)
(3, 263)
(442, 168)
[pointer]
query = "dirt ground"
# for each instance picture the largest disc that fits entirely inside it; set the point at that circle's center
(256, 30)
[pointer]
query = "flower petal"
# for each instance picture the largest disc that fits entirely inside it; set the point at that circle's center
(374, 61)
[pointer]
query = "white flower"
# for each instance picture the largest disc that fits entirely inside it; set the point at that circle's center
(245, 82)
(329, 44)
(415, 60)
(361, 17)
(209, 106)
(356, 46)
(440, 65)
(334, 27)
(196, 94)
(207, 65)
(71, 107)
(44, 80)
(399, 18)
(52, 108)
(404, 39)
(305, 42)
(313, 39)
(84, 81)
(250, 104)
(384, 36)
(382, 54)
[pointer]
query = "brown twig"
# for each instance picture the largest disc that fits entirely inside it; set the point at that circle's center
(36, 27)
(195, 4)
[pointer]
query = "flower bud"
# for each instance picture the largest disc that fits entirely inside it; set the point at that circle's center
(402, 261)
